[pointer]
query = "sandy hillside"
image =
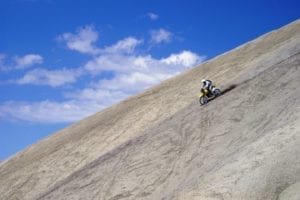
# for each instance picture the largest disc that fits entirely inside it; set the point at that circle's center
(161, 144)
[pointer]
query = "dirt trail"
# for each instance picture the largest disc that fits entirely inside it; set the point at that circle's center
(161, 144)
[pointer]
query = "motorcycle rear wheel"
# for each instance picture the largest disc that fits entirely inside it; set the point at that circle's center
(217, 92)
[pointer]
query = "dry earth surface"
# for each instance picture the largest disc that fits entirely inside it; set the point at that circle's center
(161, 144)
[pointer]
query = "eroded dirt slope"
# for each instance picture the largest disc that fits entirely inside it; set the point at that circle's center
(161, 144)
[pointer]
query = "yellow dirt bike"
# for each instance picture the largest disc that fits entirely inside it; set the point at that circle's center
(205, 95)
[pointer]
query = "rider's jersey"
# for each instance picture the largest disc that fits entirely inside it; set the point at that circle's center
(207, 84)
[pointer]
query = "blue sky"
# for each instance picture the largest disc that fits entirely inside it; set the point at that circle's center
(63, 60)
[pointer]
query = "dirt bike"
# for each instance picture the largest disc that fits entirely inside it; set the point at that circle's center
(205, 95)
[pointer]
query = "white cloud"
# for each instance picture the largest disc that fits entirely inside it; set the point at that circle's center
(184, 59)
(139, 73)
(127, 45)
(83, 41)
(27, 61)
(147, 64)
(111, 62)
(48, 111)
(106, 97)
(130, 73)
(132, 83)
(117, 57)
(53, 78)
(135, 73)
(147, 71)
(160, 35)
(22, 62)
(80, 105)
(152, 16)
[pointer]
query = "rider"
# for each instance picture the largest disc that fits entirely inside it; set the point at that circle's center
(207, 84)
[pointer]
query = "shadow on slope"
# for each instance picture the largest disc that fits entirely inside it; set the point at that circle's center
(228, 89)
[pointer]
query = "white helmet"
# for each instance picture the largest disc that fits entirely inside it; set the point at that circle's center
(203, 80)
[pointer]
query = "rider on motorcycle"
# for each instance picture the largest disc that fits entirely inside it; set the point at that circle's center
(207, 85)
(208, 91)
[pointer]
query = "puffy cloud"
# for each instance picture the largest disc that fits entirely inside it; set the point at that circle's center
(147, 71)
(152, 16)
(135, 73)
(132, 83)
(129, 71)
(127, 45)
(53, 78)
(27, 61)
(93, 99)
(106, 97)
(117, 57)
(137, 63)
(48, 111)
(78, 105)
(184, 59)
(160, 35)
(22, 62)
(138, 73)
(112, 62)
(83, 41)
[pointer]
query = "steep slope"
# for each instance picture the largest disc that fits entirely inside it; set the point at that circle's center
(161, 144)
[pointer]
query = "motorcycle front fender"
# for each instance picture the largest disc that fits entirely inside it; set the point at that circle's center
(203, 93)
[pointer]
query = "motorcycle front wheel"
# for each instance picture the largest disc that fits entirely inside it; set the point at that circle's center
(203, 100)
